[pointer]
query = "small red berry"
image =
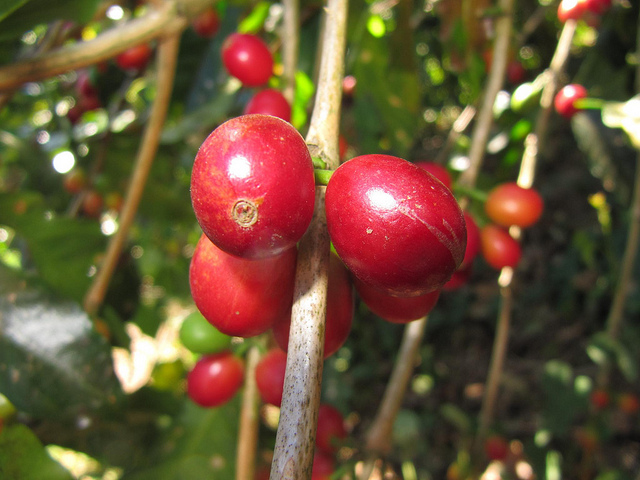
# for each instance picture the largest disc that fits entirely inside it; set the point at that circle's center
(510, 204)
(496, 447)
(269, 102)
(247, 58)
(629, 403)
(92, 204)
(331, 428)
(600, 399)
(135, 58)
(438, 171)
(270, 372)
(499, 248)
(571, 10)
(215, 379)
(565, 99)
(207, 23)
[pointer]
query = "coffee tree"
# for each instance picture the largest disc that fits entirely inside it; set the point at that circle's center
(319, 240)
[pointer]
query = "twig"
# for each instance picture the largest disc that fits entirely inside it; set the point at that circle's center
(172, 17)
(484, 119)
(291, 33)
(378, 437)
(295, 440)
(167, 55)
(248, 431)
(525, 179)
(460, 125)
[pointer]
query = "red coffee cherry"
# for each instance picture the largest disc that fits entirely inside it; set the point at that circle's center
(323, 466)
(565, 99)
(473, 241)
(509, 204)
(92, 204)
(496, 447)
(253, 186)
(499, 248)
(135, 58)
(394, 225)
(270, 372)
(241, 297)
(438, 171)
(598, 7)
(459, 278)
(331, 428)
(269, 102)
(396, 309)
(247, 58)
(215, 379)
(206, 24)
(339, 311)
(571, 9)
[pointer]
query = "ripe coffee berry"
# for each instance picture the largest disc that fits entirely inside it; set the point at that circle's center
(396, 309)
(134, 58)
(496, 447)
(207, 23)
(331, 428)
(509, 204)
(565, 99)
(339, 311)
(270, 372)
(253, 186)
(215, 379)
(394, 225)
(269, 102)
(473, 241)
(247, 58)
(438, 171)
(499, 248)
(241, 297)
(571, 10)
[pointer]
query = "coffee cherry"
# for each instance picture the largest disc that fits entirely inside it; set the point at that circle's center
(206, 24)
(253, 186)
(394, 225)
(509, 204)
(473, 241)
(339, 311)
(247, 58)
(396, 309)
(496, 447)
(269, 102)
(199, 336)
(571, 10)
(565, 99)
(215, 379)
(135, 58)
(331, 428)
(92, 204)
(270, 372)
(241, 297)
(499, 248)
(75, 181)
(438, 171)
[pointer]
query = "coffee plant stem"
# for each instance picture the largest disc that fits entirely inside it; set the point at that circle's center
(525, 179)
(378, 438)
(322, 176)
(290, 47)
(484, 118)
(167, 55)
(459, 126)
(248, 430)
(616, 314)
(169, 18)
(295, 439)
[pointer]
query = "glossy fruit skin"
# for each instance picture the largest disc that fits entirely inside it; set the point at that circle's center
(565, 99)
(499, 248)
(270, 372)
(269, 102)
(394, 225)
(206, 24)
(396, 309)
(199, 336)
(438, 171)
(241, 297)
(340, 307)
(215, 379)
(571, 9)
(134, 58)
(330, 430)
(509, 204)
(473, 241)
(247, 58)
(253, 187)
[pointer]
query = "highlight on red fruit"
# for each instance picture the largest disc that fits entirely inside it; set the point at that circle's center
(253, 186)
(565, 99)
(438, 171)
(241, 297)
(394, 225)
(207, 23)
(571, 10)
(339, 311)
(499, 248)
(247, 58)
(215, 379)
(270, 372)
(331, 428)
(269, 102)
(510, 204)
(396, 309)
(134, 58)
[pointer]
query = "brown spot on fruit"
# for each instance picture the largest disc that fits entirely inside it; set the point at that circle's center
(245, 213)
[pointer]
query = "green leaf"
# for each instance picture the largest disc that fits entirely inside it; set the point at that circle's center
(22, 457)
(23, 15)
(255, 20)
(57, 365)
(625, 115)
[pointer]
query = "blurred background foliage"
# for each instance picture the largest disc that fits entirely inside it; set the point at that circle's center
(417, 65)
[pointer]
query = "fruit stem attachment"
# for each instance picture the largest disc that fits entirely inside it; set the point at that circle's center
(589, 104)
(322, 176)
(319, 163)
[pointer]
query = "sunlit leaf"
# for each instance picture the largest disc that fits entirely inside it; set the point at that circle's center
(625, 115)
